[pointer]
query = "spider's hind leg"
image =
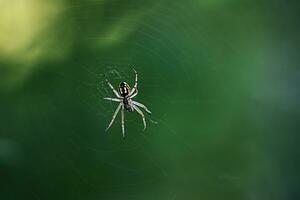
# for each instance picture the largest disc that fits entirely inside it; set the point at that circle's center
(135, 84)
(113, 89)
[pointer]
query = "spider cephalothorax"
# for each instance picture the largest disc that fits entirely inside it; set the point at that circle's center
(124, 97)
(127, 104)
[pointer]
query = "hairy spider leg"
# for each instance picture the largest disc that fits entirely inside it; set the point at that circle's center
(135, 84)
(122, 116)
(141, 113)
(142, 106)
(136, 93)
(114, 116)
(113, 89)
(112, 99)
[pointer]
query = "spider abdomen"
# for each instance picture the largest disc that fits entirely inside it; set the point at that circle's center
(124, 89)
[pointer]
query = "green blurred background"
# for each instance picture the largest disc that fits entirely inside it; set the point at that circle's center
(221, 78)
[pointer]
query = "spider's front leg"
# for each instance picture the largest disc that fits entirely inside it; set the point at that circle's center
(142, 106)
(114, 116)
(141, 113)
(122, 122)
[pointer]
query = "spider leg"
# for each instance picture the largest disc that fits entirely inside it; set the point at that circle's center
(135, 84)
(112, 99)
(136, 92)
(113, 89)
(141, 113)
(114, 116)
(122, 116)
(142, 106)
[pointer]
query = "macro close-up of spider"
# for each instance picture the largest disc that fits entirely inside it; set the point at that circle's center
(124, 96)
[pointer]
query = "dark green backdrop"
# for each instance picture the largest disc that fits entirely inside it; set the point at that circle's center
(221, 78)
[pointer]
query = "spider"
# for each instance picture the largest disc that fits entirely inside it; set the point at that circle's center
(124, 97)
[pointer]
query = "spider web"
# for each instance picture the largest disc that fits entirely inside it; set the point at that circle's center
(194, 98)
(201, 70)
(152, 88)
(155, 157)
(135, 140)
